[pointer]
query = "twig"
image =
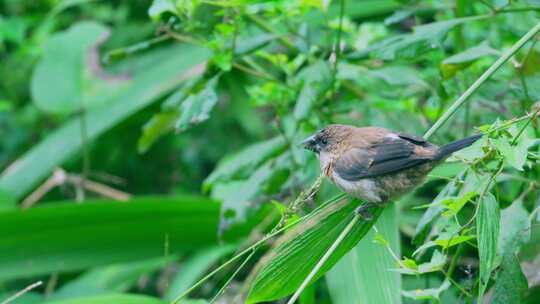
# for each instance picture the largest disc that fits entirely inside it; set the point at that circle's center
(453, 108)
(324, 258)
(22, 292)
(60, 177)
(56, 179)
(222, 289)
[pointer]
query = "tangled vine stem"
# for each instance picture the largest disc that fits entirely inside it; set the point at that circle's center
(453, 108)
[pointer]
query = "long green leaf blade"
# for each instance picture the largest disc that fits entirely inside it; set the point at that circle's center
(282, 271)
(487, 227)
(365, 272)
(66, 237)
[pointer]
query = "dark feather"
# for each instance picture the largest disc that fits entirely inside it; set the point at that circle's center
(418, 140)
(389, 156)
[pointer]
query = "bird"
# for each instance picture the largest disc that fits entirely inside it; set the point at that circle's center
(375, 164)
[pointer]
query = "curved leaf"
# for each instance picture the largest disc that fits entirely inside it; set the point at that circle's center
(295, 254)
(69, 76)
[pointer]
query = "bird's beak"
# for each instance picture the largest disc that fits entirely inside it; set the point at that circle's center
(310, 144)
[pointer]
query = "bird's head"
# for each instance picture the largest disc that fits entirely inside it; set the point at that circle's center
(327, 140)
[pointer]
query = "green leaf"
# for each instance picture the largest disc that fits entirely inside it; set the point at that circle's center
(511, 283)
(487, 227)
(426, 294)
(69, 77)
(451, 65)
(156, 127)
(160, 7)
(107, 279)
(155, 74)
(67, 237)
(517, 229)
(438, 260)
(246, 159)
(515, 156)
(194, 267)
(196, 108)
(317, 80)
(365, 274)
(295, 254)
(424, 38)
(112, 298)
(455, 204)
(398, 76)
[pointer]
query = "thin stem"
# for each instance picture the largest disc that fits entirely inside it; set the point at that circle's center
(85, 154)
(324, 258)
(514, 140)
(492, 69)
(522, 64)
(22, 292)
(229, 280)
(337, 46)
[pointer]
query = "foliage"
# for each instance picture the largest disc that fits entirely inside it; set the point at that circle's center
(194, 112)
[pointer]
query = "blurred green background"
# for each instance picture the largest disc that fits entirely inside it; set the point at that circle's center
(142, 143)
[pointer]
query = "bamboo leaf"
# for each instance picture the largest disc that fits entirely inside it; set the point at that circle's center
(487, 227)
(284, 268)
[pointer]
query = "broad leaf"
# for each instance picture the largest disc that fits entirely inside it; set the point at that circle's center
(69, 76)
(160, 7)
(511, 283)
(365, 274)
(155, 74)
(424, 38)
(245, 160)
(67, 237)
(451, 65)
(295, 254)
(317, 80)
(196, 108)
(487, 227)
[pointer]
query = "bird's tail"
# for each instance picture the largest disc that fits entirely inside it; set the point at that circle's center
(457, 145)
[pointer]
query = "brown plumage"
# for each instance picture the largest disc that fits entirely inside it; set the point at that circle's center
(375, 164)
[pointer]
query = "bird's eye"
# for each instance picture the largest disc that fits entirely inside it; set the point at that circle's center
(323, 141)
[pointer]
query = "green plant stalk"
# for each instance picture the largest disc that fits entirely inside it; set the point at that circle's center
(85, 156)
(492, 69)
(229, 280)
(430, 132)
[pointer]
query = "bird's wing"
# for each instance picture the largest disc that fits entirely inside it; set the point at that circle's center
(392, 154)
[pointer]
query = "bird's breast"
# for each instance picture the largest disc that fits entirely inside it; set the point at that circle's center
(365, 189)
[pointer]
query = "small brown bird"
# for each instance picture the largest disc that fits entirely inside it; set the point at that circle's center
(375, 164)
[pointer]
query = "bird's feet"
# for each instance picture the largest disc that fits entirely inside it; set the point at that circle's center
(363, 211)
